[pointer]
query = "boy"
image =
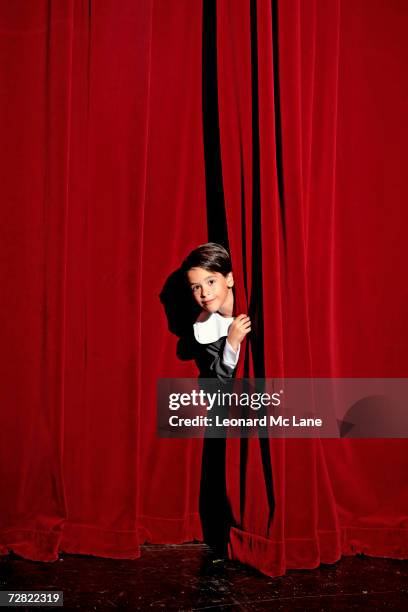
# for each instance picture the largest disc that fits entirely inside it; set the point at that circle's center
(218, 334)
(218, 338)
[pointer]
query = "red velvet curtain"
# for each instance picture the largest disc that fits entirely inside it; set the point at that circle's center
(104, 180)
(299, 187)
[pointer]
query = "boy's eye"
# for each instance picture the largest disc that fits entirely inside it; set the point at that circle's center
(194, 288)
(211, 281)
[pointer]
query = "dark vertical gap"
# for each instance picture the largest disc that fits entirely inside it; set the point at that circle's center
(278, 114)
(256, 301)
(216, 216)
(215, 511)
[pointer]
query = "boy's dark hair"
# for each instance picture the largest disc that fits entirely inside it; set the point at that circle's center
(210, 256)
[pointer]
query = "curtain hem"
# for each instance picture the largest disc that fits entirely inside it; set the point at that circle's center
(391, 542)
(156, 530)
(98, 542)
(89, 540)
(275, 558)
(30, 544)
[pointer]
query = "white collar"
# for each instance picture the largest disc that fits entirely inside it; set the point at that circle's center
(211, 326)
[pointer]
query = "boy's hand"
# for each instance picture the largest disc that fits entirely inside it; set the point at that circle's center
(238, 329)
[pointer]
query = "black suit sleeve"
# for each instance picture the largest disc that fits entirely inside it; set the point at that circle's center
(210, 363)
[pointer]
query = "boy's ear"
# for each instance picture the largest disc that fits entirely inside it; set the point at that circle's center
(230, 279)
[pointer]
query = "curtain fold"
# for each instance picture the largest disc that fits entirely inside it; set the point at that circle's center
(174, 223)
(36, 55)
(299, 527)
(111, 84)
(279, 125)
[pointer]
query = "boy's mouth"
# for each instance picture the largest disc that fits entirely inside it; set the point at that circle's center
(208, 301)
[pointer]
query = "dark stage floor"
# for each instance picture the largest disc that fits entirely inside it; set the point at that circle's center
(186, 577)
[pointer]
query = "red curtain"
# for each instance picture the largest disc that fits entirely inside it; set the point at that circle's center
(105, 188)
(292, 99)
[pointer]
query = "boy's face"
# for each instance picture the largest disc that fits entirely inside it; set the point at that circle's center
(211, 290)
